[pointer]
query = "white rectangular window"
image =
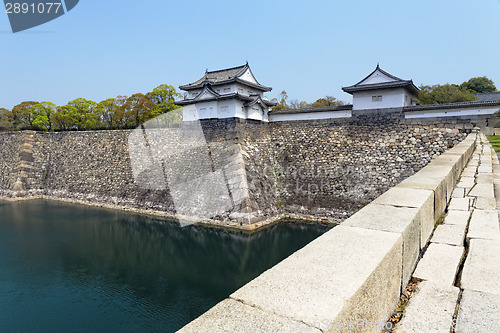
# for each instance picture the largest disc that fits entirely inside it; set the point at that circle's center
(227, 89)
(377, 98)
(223, 108)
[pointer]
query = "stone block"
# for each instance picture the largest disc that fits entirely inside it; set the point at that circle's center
(430, 309)
(413, 198)
(478, 312)
(239, 195)
(442, 174)
(458, 192)
(459, 204)
(333, 279)
(481, 268)
(439, 264)
(485, 169)
(468, 174)
(484, 225)
(233, 316)
(401, 220)
(466, 182)
(484, 178)
(451, 234)
(485, 203)
(457, 217)
(485, 190)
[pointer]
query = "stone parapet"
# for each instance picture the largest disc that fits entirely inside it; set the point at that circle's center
(349, 279)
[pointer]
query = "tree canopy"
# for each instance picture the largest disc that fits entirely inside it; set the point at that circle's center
(83, 114)
(478, 85)
(452, 93)
(446, 93)
(284, 104)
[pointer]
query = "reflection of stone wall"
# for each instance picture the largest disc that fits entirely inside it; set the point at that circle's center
(240, 170)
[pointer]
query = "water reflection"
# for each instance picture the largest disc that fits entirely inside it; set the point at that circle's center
(68, 267)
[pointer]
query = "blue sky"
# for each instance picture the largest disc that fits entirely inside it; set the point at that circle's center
(103, 49)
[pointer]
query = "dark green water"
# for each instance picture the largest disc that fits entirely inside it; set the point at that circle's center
(70, 268)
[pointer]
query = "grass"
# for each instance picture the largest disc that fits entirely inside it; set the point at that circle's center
(495, 142)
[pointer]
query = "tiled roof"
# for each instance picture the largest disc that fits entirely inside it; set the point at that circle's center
(471, 104)
(221, 75)
(384, 85)
(397, 83)
(309, 110)
(487, 97)
(258, 100)
(395, 78)
(224, 76)
(215, 98)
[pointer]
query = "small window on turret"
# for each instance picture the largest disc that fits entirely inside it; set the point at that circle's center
(377, 98)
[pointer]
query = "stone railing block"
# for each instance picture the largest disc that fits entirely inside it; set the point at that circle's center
(402, 220)
(333, 280)
(422, 199)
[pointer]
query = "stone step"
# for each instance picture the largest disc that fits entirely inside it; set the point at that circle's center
(481, 268)
(484, 224)
(430, 309)
(478, 312)
(439, 264)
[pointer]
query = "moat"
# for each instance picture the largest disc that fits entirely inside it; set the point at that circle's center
(75, 268)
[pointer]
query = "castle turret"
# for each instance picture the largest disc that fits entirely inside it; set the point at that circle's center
(380, 90)
(226, 93)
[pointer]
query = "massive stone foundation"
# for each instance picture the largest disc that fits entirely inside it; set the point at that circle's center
(251, 171)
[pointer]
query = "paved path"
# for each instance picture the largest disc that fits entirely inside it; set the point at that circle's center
(460, 269)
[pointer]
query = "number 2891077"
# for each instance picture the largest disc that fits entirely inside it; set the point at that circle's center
(33, 8)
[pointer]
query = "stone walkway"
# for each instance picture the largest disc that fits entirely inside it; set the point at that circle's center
(460, 269)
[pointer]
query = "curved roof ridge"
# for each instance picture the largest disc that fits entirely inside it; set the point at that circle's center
(383, 72)
(206, 87)
(223, 76)
(228, 69)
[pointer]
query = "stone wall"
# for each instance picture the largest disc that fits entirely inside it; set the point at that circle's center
(332, 285)
(230, 170)
(335, 168)
(10, 150)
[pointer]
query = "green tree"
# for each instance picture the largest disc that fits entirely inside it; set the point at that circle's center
(106, 110)
(137, 109)
(326, 101)
(43, 115)
(119, 120)
(23, 117)
(478, 85)
(296, 104)
(6, 120)
(163, 98)
(66, 118)
(86, 118)
(282, 103)
(78, 114)
(447, 93)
